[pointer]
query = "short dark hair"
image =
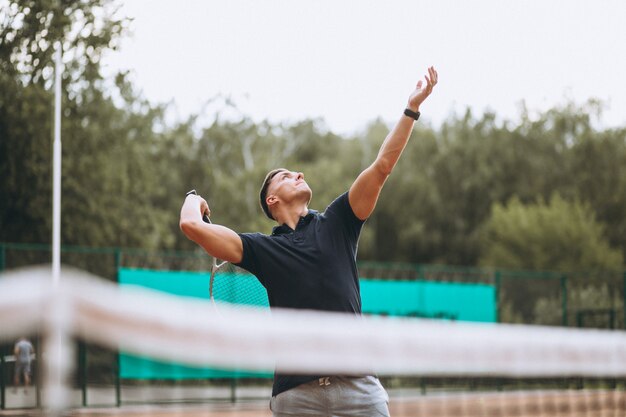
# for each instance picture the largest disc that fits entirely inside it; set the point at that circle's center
(263, 193)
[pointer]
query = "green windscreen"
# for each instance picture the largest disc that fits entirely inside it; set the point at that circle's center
(442, 300)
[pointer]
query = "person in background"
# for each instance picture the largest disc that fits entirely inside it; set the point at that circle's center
(23, 352)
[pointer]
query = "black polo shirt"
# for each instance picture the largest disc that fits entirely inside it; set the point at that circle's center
(312, 267)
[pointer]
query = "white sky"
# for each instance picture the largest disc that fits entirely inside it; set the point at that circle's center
(350, 61)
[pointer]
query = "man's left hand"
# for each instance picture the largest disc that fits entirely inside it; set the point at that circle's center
(422, 92)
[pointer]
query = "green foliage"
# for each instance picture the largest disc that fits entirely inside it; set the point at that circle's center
(25, 151)
(560, 236)
(30, 28)
(112, 180)
(125, 170)
(107, 151)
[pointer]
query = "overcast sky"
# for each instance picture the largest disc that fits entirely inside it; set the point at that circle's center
(350, 61)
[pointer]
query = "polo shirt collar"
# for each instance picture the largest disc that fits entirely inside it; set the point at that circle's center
(304, 220)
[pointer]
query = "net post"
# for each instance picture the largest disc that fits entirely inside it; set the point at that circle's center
(564, 300)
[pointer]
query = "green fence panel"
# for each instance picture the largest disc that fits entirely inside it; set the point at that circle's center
(441, 300)
(229, 287)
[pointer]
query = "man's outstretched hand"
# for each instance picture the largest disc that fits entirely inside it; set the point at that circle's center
(423, 91)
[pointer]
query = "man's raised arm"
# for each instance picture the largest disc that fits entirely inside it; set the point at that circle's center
(366, 188)
(218, 241)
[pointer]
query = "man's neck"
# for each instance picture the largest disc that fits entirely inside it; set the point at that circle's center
(291, 216)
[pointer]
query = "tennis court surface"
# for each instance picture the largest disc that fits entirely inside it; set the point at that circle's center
(590, 403)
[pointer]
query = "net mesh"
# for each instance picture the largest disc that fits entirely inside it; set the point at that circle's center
(429, 367)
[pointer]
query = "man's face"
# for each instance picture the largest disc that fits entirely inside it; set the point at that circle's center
(289, 186)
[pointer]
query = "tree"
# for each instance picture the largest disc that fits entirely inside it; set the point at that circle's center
(125, 169)
(29, 30)
(560, 235)
(107, 167)
(597, 168)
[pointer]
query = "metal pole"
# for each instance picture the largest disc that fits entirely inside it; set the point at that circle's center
(118, 378)
(56, 169)
(82, 367)
(40, 367)
(624, 301)
(564, 300)
(233, 390)
(118, 382)
(2, 387)
(2, 257)
(498, 283)
(56, 343)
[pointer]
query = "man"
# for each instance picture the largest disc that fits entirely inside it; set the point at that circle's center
(309, 262)
(23, 352)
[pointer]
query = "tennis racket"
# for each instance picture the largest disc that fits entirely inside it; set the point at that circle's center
(215, 266)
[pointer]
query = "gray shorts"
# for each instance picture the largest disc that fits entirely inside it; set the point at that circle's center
(333, 396)
(22, 368)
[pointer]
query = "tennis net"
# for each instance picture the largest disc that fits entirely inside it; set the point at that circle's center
(431, 368)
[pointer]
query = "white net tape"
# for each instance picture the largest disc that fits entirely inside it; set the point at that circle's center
(195, 332)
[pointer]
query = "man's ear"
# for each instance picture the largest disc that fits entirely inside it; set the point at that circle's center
(271, 200)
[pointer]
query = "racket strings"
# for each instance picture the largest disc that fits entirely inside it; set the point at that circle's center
(215, 266)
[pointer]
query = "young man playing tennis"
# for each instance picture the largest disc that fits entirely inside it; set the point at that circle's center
(309, 262)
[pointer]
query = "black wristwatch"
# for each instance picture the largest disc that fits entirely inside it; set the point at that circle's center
(411, 114)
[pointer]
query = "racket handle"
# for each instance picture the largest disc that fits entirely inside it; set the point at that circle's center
(205, 217)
